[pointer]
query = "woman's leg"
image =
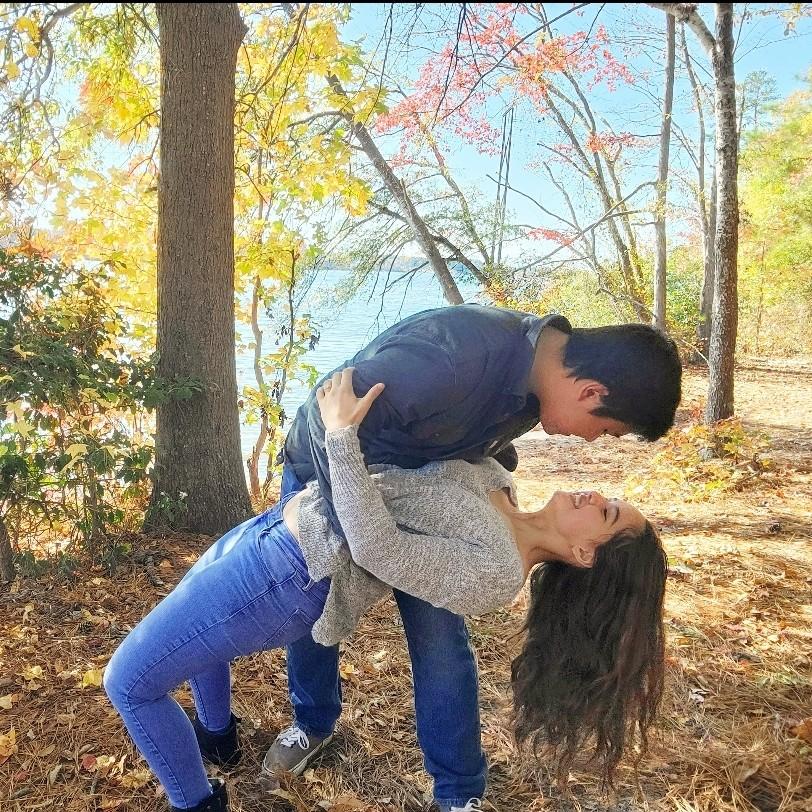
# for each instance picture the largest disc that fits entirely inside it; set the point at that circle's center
(250, 591)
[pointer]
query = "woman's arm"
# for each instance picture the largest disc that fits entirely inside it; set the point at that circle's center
(452, 572)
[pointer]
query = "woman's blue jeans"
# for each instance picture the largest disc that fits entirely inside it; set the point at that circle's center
(446, 691)
(250, 591)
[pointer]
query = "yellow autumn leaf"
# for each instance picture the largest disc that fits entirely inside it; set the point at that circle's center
(75, 449)
(92, 677)
(21, 352)
(22, 427)
(7, 701)
(31, 49)
(28, 25)
(104, 764)
(8, 745)
(12, 71)
(135, 779)
(31, 672)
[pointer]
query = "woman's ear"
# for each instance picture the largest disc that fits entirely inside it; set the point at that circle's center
(583, 554)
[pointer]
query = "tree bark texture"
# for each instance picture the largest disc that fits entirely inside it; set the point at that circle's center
(724, 322)
(198, 440)
(708, 275)
(662, 176)
(725, 315)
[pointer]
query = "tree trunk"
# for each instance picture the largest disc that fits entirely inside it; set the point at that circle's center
(6, 555)
(706, 207)
(709, 274)
(725, 315)
(198, 470)
(259, 445)
(725, 295)
(662, 176)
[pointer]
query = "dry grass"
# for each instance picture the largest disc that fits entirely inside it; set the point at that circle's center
(729, 738)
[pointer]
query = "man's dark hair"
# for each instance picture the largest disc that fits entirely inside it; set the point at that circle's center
(640, 367)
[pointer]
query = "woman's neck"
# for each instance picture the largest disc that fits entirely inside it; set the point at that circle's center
(527, 530)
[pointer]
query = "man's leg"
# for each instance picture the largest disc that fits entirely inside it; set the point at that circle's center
(314, 688)
(446, 698)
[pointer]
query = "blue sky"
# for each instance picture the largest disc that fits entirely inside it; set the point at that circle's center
(761, 46)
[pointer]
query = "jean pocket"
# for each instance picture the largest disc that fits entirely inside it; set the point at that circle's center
(294, 628)
(282, 557)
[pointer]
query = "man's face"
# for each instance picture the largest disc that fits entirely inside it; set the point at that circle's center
(569, 412)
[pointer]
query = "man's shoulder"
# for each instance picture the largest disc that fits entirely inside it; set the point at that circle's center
(464, 320)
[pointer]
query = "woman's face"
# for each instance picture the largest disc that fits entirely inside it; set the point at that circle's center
(587, 518)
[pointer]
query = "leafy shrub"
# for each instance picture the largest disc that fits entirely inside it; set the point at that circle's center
(74, 450)
(699, 462)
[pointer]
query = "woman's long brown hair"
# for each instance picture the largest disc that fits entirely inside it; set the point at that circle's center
(590, 673)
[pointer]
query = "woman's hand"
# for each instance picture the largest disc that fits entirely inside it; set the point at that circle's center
(338, 404)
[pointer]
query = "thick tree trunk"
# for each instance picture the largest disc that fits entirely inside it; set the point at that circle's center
(198, 440)
(724, 322)
(658, 316)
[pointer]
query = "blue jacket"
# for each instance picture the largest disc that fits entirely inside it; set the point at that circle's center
(456, 388)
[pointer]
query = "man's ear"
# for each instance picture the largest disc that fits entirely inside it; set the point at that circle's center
(584, 555)
(592, 392)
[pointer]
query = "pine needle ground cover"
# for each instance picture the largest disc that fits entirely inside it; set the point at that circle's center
(734, 733)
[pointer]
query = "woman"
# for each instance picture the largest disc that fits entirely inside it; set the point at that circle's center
(449, 533)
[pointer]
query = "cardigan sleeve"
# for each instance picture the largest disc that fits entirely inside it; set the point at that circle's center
(459, 573)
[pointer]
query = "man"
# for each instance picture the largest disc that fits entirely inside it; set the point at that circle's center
(461, 383)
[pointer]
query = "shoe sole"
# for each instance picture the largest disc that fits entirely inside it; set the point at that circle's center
(298, 769)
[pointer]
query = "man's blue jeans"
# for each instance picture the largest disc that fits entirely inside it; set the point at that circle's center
(446, 693)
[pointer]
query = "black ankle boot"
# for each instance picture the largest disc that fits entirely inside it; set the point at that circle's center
(221, 749)
(216, 802)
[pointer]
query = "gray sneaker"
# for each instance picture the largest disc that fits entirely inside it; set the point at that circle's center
(292, 751)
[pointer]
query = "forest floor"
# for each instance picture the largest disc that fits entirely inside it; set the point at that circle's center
(734, 733)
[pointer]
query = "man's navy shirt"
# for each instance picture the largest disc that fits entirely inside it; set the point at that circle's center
(456, 388)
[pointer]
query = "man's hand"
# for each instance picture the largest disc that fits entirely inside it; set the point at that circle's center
(338, 404)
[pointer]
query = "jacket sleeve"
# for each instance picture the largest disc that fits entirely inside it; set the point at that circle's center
(420, 380)
(454, 573)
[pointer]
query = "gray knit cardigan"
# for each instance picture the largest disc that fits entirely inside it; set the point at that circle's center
(430, 532)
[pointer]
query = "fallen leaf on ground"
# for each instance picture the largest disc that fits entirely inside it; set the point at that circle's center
(88, 762)
(92, 677)
(136, 779)
(31, 673)
(8, 745)
(803, 730)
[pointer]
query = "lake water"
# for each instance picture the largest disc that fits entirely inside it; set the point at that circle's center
(344, 329)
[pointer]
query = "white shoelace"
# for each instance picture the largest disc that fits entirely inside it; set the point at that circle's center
(294, 735)
(472, 805)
